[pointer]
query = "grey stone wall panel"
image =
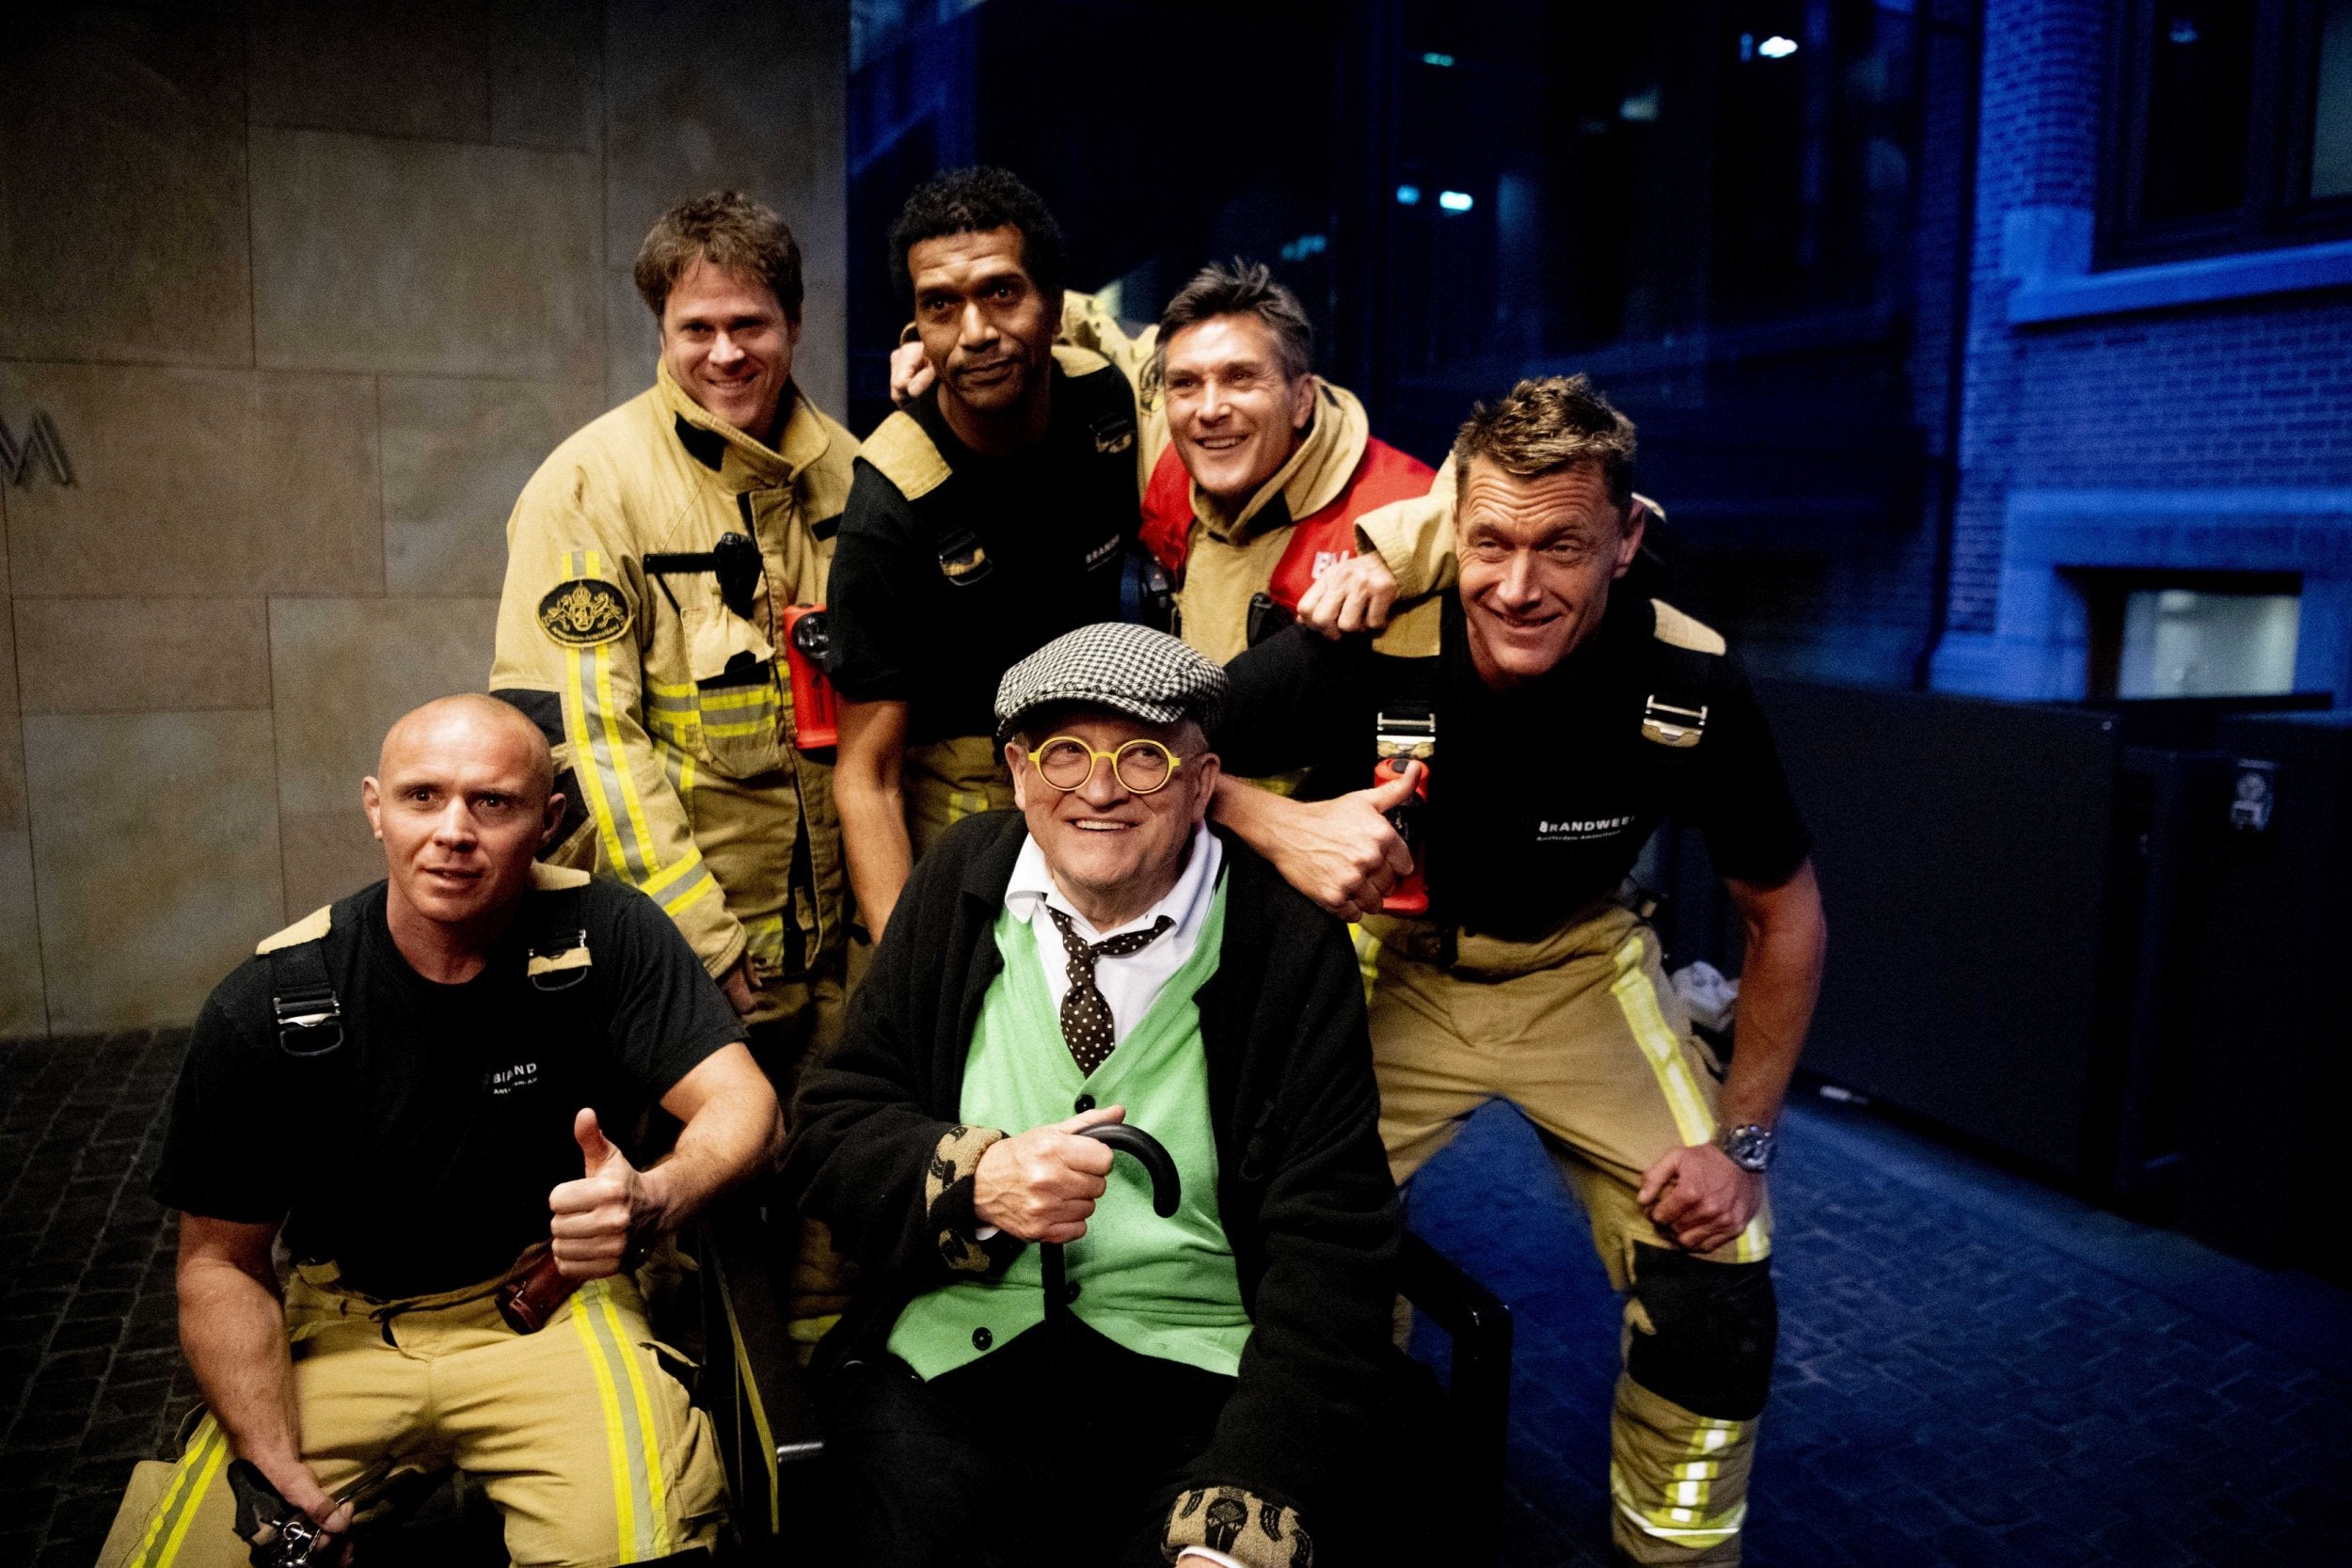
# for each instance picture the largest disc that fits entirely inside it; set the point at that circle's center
(342, 670)
(199, 482)
(142, 656)
(676, 127)
(424, 257)
(457, 453)
(122, 190)
(327, 855)
(409, 68)
(156, 857)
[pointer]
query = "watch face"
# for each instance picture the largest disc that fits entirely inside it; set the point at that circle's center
(1750, 1147)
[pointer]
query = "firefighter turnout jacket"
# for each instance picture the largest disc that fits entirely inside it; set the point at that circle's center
(1301, 523)
(649, 563)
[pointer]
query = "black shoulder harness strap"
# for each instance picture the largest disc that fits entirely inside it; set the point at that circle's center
(1690, 656)
(309, 1015)
(1675, 713)
(557, 955)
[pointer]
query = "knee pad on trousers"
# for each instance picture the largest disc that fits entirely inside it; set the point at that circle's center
(1715, 1326)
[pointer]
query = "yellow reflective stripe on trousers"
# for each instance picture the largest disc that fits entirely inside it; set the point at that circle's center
(655, 1491)
(168, 1528)
(1638, 1000)
(1681, 1516)
(644, 1525)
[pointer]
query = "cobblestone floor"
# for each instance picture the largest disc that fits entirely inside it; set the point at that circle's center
(1957, 1384)
(90, 1379)
(1967, 1376)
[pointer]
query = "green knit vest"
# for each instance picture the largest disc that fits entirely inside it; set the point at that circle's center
(1159, 1286)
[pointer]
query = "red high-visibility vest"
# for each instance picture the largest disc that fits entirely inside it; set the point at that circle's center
(1318, 541)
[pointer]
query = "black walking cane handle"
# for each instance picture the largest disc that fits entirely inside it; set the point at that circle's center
(1150, 1154)
(1166, 1189)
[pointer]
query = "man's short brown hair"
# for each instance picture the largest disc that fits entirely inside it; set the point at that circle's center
(1544, 424)
(1242, 289)
(733, 233)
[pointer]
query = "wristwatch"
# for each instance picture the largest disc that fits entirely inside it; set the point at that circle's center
(1749, 1146)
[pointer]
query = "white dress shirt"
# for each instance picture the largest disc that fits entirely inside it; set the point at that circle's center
(1130, 984)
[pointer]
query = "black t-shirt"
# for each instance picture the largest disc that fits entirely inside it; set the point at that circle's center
(419, 1154)
(1540, 798)
(932, 600)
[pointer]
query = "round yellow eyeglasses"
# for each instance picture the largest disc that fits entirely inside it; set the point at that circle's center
(1140, 766)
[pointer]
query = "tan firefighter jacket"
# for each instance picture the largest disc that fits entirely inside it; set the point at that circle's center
(1413, 537)
(670, 712)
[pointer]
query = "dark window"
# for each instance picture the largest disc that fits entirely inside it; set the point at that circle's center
(2233, 127)
(2330, 173)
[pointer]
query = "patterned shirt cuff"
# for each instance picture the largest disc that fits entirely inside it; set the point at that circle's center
(947, 1186)
(1209, 1555)
(1237, 1527)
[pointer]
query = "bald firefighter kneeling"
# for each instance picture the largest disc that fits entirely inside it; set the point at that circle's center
(412, 1088)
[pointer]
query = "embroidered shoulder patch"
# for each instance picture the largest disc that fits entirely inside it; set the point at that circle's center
(584, 612)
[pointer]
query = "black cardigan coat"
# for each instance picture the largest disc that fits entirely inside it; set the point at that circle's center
(1303, 1185)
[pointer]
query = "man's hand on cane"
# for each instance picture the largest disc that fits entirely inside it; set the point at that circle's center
(1041, 1185)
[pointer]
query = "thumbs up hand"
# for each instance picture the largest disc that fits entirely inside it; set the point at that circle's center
(1386, 796)
(1343, 853)
(596, 1216)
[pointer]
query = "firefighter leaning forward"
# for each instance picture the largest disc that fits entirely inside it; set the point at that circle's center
(1557, 716)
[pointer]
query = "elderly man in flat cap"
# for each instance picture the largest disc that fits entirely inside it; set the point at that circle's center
(1206, 1392)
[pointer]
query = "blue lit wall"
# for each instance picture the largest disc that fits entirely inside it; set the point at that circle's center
(2192, 415)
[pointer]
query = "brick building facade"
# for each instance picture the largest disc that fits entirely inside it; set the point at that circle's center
(2182, 421)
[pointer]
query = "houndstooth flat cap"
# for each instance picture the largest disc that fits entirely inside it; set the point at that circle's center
(1128, 669)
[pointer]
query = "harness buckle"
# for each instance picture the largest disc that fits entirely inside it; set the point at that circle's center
(1411, 735)
(309, 1022)
(1669, 725)
(562, 964)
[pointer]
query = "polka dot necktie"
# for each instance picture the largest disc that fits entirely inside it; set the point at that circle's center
(1086, 1015)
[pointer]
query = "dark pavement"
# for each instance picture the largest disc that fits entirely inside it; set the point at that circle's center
(90, 1377)
(1974, 1372)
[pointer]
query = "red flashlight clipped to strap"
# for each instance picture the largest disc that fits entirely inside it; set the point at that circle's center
(816, 709)
(1401, 739)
